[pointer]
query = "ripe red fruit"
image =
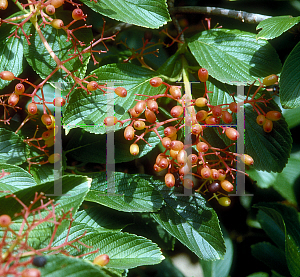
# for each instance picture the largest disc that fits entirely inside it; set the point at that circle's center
(222, 174)
(77, 14)
(176, 111)
(246, 159)
(273, 115)
(31, 272)
(217, 111)
(268, 126)
(110, 121)
(226, 117)
(155, 82)
(270, 80)
(46, 119)
(166, 142)
(59, 102)
(227, 186)
(213, 187)
(232, 133)
(185, 169)
(32, 108)
(54, 158)
(202, 146)
(129, 133)
(13, 99)
(50, 9)
(169, 180)
(176, 145)
(205, 172)
(214, 174)
(188, 183)
(192, 158)
(91, 86)
(234, 107)
(120, 91)
(140, 106)
(170, 131)
(134, 149)
(182, 157)
(57, 23)
(201, 102)
(203, 75)
(224, 201)
(175, 92)
(212, 120)
(5, 220)
(152, 105)
(150, 116)
(57, 3)
(201, 115)
(196, 129)
(19, 89)
(3, 4)
(7, 75)
(163, 163)
(260, 119)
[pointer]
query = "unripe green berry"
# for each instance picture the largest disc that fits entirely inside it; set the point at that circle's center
(57, 23)
(139, 125)
(270, 80)
(54, 158)
(201, 102)
(224, 201)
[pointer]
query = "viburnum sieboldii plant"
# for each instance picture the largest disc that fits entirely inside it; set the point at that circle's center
(16, 253)
(42, 15)
(214, 168)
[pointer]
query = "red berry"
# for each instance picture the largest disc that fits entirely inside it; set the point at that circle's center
(5, 220)
(232, 133)
(7, 75)
(32, 108)
(57, 23)
(140, 106)
(59, 102)
(202, 146)
(110, 121)
(273, 115)
(212, 120)
(226, 117)
(169, 180)
(268, 126)
(205, 172)
(101, 260)
(50, 9)
(50, 142)
(3, 4)
(176, 111)
(224, 201)
(222, 175)
(152, 105)
(157, 168)
(213, 187)
(31, 272)
(150, 116)
(196, 129)
(57, 3)
(260, 119)
(234, 107)
(129, 133)
(203, 75)
(163, 163)
(188, 183)
(170, 131)
(270, 80)
(217, 111)
(201, 115)
(19, 89)
(246, 159)
(54, 158)
(201, 102)
(91, 86)
(173, 154)
(176, 145)
(182, 157)
(185, 169)
(166, 142)
(134, 149)
(175, 92)
(13, 99)
(120, 91)
(214, 174)
(139, 125)
(155, 82)
(48, 134)
(46, 119)
(77, 14)
(227, 186)
(192, 158)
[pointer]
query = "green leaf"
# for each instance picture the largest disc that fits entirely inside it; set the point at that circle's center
(82, 145)
(270, 151)
(39, 58)
(289, 82)
(283, 182)
(124, 250)
(233, 56)
(43, 173)
(150, 14)
(259, 274)
(292, 117)
(275, 26)
(89, 111)
(18, 179)
(133, 193)
(193, 223)
(74, 189)
(11, 51)
(102, 219)
(172, 68)
(271, 256)
(12, 148)
(60, 265)
(220, 268)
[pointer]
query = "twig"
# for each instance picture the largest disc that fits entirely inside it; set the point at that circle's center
(175, 21)
(240, 15)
